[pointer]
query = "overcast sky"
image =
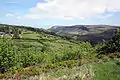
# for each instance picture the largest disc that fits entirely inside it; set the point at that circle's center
(46, 13)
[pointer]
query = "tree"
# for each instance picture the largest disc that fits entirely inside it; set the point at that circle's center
(16, 33)
(112, 45)
(116, 39)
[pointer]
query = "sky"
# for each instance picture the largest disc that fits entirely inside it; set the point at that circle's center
(48, 13)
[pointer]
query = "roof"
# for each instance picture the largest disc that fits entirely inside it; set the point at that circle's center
(2, 33)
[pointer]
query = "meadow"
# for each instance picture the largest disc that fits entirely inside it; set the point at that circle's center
(42, 56)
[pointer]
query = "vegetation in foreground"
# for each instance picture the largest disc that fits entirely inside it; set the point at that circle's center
(42, 55)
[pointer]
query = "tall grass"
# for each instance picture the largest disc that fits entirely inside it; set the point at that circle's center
(84, 72)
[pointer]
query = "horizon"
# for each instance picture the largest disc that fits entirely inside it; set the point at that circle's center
(60, 25)
(48, 13)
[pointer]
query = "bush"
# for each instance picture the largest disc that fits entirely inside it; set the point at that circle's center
(112, 45)
(7, 56)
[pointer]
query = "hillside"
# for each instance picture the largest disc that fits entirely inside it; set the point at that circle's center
(40, 54)
(92, 33)
(39, 50)
(8, 28)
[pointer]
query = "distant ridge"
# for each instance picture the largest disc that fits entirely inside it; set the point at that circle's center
(92, 33)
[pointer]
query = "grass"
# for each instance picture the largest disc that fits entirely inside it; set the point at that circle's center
(107, 71)
(30, 36)
(83, 72)
(77, 73)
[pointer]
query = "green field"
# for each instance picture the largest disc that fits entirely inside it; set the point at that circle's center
(51, 57)
(107, 71)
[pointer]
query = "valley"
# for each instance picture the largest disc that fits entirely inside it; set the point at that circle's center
(28, 53)
(91, 33)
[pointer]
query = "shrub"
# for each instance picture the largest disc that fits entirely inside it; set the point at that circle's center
(112, 45)
(7, 56)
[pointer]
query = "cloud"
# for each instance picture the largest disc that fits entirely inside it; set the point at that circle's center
(10, 2)
(72, 9)
(18, 17)
(104, 17)
(109, 15)
(14, 16)
(9, 15)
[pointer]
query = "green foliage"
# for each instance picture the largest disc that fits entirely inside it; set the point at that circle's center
(40, 52)
(112, 45)
(16, 33)
(37, 70)
(5, 29)
(11, 57)
(25, 53)
(2, 76)
(7, 56)
(49, 52)
(106, 71)
(76, 73)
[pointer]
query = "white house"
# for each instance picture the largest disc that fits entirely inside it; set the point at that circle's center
(2, 34)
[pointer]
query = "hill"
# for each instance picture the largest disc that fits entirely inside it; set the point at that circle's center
(92, 33)
(8, 28)
(42, 55)
(38, 48)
